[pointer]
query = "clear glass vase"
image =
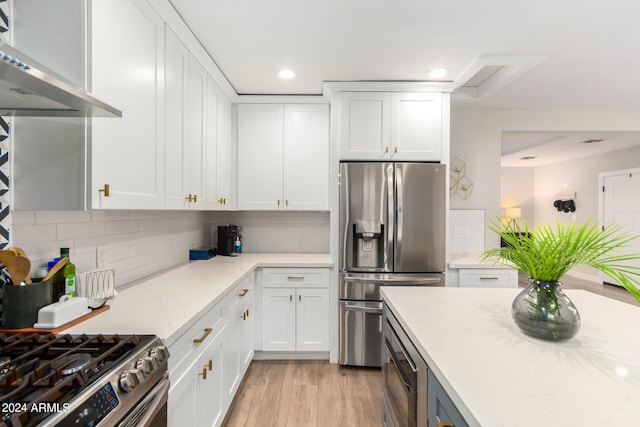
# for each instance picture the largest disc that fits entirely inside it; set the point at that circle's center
(543, 311)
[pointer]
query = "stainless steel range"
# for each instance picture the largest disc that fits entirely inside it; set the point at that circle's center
(83, 380)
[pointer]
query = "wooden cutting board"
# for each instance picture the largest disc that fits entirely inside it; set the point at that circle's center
(59, 328)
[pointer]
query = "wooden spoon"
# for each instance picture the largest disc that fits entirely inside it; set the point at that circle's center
(58, 265)
(5, 259)
(19, 268)
(20, 252)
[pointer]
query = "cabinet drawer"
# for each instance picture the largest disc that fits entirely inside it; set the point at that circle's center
(186, 348)
(440, 408)
(242, 291)
(488, 278)
(295, 278)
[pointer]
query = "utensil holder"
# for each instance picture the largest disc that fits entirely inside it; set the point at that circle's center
(20, 304)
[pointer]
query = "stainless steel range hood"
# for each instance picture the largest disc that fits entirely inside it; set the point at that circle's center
(27, 89)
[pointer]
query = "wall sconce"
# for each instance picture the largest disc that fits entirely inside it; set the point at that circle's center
(512, 214)
(460, 184)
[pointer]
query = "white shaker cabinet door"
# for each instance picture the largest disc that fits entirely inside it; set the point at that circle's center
(218, 142)
(306, 157)
(209, 393)
(416, 126)
(278, 319)
(312, 323)
(176, 91)
(127, 70)
(196, 155)
(260, 157)
(365, 125)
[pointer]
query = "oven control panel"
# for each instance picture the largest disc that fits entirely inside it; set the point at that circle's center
(94, 409)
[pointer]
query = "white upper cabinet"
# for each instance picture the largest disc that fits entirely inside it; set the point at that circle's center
(218, 146)
(283, 157)
(196, 155)
(391, 126)
(176, 89)
(260, 156)
(127, 69)
(306, 157)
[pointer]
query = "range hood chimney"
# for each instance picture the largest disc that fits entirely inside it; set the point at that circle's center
(28, 89)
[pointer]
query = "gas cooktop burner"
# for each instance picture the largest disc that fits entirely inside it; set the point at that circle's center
(71, 363)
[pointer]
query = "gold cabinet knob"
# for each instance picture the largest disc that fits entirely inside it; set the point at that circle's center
(104, 190)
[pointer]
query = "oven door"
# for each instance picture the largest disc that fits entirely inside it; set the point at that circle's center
(400, 381)
(150, 411)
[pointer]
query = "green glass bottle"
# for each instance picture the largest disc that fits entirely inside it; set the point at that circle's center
(69, 274)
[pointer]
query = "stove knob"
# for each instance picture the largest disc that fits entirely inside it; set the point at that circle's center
(130, 379)
(159, 354)
(146, 365)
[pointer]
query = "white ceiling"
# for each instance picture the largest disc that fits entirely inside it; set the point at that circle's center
(564, 55)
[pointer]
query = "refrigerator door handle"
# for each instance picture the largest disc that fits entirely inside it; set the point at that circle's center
(363, 308)
(391, 216)
(400, 206)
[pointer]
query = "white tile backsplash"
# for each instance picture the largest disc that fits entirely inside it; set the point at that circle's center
(466, 231)
(141, 243)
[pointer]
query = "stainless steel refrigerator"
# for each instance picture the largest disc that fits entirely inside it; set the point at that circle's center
(392, 232)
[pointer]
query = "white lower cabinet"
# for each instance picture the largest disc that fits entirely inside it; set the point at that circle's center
(238, 349)
(295, 316)
(208, 362)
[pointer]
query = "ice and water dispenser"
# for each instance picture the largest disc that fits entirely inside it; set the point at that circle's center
(368, 244)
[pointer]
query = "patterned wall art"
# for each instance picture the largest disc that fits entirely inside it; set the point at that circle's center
(5, 217)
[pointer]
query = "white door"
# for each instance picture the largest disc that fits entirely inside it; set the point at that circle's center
(416, 126)
(278, 319)
(621, 205)
(127, 69)
(260, 133)
(365, 125)
(306, 157)
(312, 314)
(176, 81)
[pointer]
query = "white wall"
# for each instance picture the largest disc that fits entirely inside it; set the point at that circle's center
(476, 139)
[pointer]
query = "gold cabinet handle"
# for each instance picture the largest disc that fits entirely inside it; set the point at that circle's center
(386, 149)
(209, 365)
(299, 297)
(104, 190)
(286, 202)
(203, 374)
(488, 278)
(204, 336)
(395, 150)
(299, 277)
(244, 315)
(243, 293)
(195, 198)
(445, 424)
(278, 202)
(247, 312)
(290, 297)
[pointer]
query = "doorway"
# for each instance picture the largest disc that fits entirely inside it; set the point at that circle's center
(619, 203)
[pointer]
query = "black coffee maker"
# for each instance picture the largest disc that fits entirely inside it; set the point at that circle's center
(226, 239)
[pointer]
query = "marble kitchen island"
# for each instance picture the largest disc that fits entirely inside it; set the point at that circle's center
(496, 376)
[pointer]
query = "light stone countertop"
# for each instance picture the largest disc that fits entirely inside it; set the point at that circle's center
(473, 261)
(168, 304)
(499, 377)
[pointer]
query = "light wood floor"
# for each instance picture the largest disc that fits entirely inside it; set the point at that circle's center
(297, 393)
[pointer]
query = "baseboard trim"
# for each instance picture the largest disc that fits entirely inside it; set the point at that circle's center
(291, 355)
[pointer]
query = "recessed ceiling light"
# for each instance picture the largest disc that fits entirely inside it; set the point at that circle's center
(286, 74)
(528, 157)
(437, 73)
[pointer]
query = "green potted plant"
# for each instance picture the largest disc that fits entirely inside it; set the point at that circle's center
(542, 309)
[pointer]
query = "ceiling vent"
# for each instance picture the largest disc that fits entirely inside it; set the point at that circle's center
(590, 141)
(528, 157)
(490, 73)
